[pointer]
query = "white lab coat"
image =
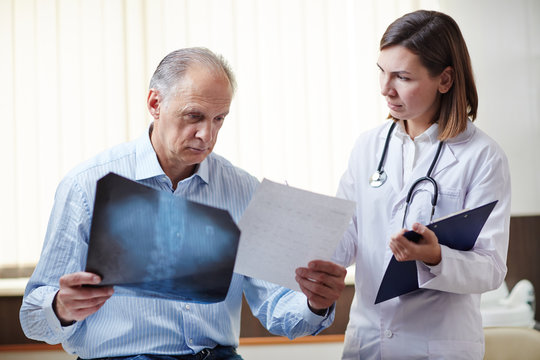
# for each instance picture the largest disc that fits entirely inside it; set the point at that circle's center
(442, 319)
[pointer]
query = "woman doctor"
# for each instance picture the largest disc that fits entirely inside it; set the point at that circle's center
(427, 81)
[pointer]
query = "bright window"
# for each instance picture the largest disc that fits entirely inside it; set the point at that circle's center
(74, 78)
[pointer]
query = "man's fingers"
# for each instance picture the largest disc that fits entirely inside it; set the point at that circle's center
(79, 310)
(78, 305)
(322, 282)
(85, 302)
(319, 296)
(323, 274)
(327, 267)
(79, 278)
(314, 286)
(75, 301)
(71, 287)
(85, 293)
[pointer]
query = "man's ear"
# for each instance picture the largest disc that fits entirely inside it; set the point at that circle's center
(447, 80)
(154, 103)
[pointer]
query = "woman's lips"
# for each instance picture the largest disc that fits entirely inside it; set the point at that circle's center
(393, 106)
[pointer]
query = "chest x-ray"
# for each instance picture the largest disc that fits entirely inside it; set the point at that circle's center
(159, 244)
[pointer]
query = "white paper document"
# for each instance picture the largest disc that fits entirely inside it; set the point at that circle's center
(284, 228)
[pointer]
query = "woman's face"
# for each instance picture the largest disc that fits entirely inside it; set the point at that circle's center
(410, 91)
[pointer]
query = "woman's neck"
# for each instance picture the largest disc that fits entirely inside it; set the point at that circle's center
(414, 128)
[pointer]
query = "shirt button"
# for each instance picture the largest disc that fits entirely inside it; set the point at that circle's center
(191, 341)
(178, 234)
(188, 307)
(388, 333)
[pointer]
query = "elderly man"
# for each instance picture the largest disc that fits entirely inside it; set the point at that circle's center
(189, 98)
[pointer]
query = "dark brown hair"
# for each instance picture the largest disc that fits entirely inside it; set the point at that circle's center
(436, 39)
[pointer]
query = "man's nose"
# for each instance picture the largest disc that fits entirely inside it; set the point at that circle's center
(204, 132)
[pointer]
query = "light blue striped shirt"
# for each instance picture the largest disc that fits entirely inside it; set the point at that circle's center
(130, 324)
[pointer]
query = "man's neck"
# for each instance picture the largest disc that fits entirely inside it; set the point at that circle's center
(174, 171)
(181, 175)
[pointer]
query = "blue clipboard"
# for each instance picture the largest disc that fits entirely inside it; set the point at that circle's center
(458, 231)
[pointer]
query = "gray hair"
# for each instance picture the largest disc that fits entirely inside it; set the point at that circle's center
(174, 66)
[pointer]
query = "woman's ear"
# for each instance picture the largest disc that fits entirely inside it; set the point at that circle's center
(153, 103)
(446, 80)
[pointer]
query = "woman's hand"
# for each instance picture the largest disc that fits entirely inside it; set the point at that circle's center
(427, 249)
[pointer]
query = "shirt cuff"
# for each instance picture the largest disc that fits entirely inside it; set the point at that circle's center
(52, 319)
(322, 312)
(319, 320)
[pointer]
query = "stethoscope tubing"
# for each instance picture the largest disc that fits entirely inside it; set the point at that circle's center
(381, 176)
(428, 178)
(385, 149)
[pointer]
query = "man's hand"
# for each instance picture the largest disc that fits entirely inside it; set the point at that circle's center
(322, 282)
(427, 249)
(73, 302)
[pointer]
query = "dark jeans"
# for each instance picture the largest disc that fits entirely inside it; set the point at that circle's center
(218, 353)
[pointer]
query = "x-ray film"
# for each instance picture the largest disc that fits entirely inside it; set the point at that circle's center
(159, 244)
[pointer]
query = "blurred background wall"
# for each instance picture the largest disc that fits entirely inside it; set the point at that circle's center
(74, 78)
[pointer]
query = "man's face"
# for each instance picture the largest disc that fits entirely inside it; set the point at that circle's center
(187, 124)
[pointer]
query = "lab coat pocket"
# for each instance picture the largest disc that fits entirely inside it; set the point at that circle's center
(449, 201)
(456, 350)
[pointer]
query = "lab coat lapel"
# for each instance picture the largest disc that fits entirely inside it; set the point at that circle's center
(446, 159)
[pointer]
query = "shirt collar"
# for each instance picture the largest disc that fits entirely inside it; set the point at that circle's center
(202, 170)
(147, 164)
(430, 134)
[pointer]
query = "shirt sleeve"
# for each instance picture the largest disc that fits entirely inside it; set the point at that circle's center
(482, 268)
(64, 249)
(282, 311)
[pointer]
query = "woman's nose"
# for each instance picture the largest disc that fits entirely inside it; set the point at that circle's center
(387, 89)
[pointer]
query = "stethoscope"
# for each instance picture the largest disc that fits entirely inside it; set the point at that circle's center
(379, 177)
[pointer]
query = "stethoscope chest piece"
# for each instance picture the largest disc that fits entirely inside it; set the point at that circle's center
(377, 179)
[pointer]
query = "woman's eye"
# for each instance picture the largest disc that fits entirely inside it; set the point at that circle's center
(400, 77)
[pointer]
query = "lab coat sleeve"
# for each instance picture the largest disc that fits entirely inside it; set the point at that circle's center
(64, 251)
(345, 253)
(483, 268)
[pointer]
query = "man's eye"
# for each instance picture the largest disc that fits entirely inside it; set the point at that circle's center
(195, 116)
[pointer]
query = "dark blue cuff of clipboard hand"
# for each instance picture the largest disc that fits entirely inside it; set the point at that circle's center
(321, 312)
